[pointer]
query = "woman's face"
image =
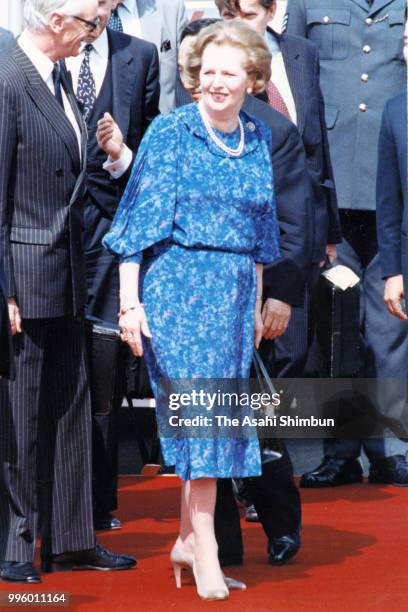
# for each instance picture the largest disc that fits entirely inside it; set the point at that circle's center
(223, 79)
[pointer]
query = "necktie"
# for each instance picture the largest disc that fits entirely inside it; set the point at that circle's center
(56, 77)
(86, 91)
(276, 100)
(115, 22)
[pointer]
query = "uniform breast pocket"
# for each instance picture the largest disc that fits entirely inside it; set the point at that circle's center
(395, 32)
(330, 30)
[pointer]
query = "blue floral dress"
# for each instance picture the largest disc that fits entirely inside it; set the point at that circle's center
(198, 220)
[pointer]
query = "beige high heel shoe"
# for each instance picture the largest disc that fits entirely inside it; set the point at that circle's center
(181, 560)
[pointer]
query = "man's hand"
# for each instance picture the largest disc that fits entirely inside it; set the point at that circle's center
(393, 294)
(109, 136)
(331, 253)
(276, 317)
(14, 316)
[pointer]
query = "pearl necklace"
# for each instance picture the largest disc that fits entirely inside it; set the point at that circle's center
(229, 150)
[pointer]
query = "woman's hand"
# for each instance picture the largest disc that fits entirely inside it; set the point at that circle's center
(258, 327)
(132, 325)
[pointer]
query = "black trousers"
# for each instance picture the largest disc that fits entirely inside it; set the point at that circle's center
(384, 339)
(276, 499)
(45, 443)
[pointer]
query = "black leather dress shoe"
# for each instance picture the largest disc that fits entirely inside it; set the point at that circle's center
(15, 571)
(251, 515)
(95, 559)
(283, 548)
(106, 522)
(391, 470)
(333, 472)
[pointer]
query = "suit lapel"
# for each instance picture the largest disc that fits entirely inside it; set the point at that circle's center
(295, 73)
(150, 22)
(377, 5)
(122, 84)
(47, 104)
(67, 85)
(362, 4)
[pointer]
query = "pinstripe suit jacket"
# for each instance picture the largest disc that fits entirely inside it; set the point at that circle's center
(6, 38)
(42, 182)
(6, 353)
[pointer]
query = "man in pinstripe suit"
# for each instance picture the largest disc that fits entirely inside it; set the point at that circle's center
(6, 38)
(45, 429)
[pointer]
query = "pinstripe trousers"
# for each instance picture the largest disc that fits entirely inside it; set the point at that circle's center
(45, 443)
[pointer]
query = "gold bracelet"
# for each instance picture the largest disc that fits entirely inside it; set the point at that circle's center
(126, 309)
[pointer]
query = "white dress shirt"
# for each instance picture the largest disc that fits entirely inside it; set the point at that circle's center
(98, 62)
(129, 15)
(279, 76)
(45, 66)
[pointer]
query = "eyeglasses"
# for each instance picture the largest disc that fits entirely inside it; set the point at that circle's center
(91, 25)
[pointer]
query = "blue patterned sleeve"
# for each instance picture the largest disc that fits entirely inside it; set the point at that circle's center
(267, 245)
(146, 210)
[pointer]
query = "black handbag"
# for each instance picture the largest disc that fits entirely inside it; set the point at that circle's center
(106, 364)
(271, 448)
(338, 329)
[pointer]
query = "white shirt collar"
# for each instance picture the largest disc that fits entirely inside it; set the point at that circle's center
(41, 61)
(131, 6)
(100, 45)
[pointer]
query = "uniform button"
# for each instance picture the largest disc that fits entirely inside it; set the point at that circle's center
(326, 19)
(362, 107)
(366, 48)
(369, 21)
(364, 77)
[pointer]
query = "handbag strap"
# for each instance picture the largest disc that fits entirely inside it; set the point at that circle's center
(262, 373)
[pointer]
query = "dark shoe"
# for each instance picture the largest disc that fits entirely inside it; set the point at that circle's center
(251, 515)
(95, 559)
(391, 470)
(15, 571)
(281, 549)
(106, 522)
(333, 472)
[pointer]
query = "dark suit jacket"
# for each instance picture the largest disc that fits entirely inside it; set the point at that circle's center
(301, 59)
(6, 38)
(6, 359)
(284, 279)
(134, 70)
(41, 193)
(392, 189)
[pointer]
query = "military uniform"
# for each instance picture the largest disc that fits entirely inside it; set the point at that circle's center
(361, 66)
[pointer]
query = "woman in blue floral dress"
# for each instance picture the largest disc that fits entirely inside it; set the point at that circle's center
(198, 220)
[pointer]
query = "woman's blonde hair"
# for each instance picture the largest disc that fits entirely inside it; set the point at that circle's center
(236, 34)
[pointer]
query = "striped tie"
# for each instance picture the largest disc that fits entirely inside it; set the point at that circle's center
(56, 77)
(115, 22)
(276, 100)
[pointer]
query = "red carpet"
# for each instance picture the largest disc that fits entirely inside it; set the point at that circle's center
(354, 557)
